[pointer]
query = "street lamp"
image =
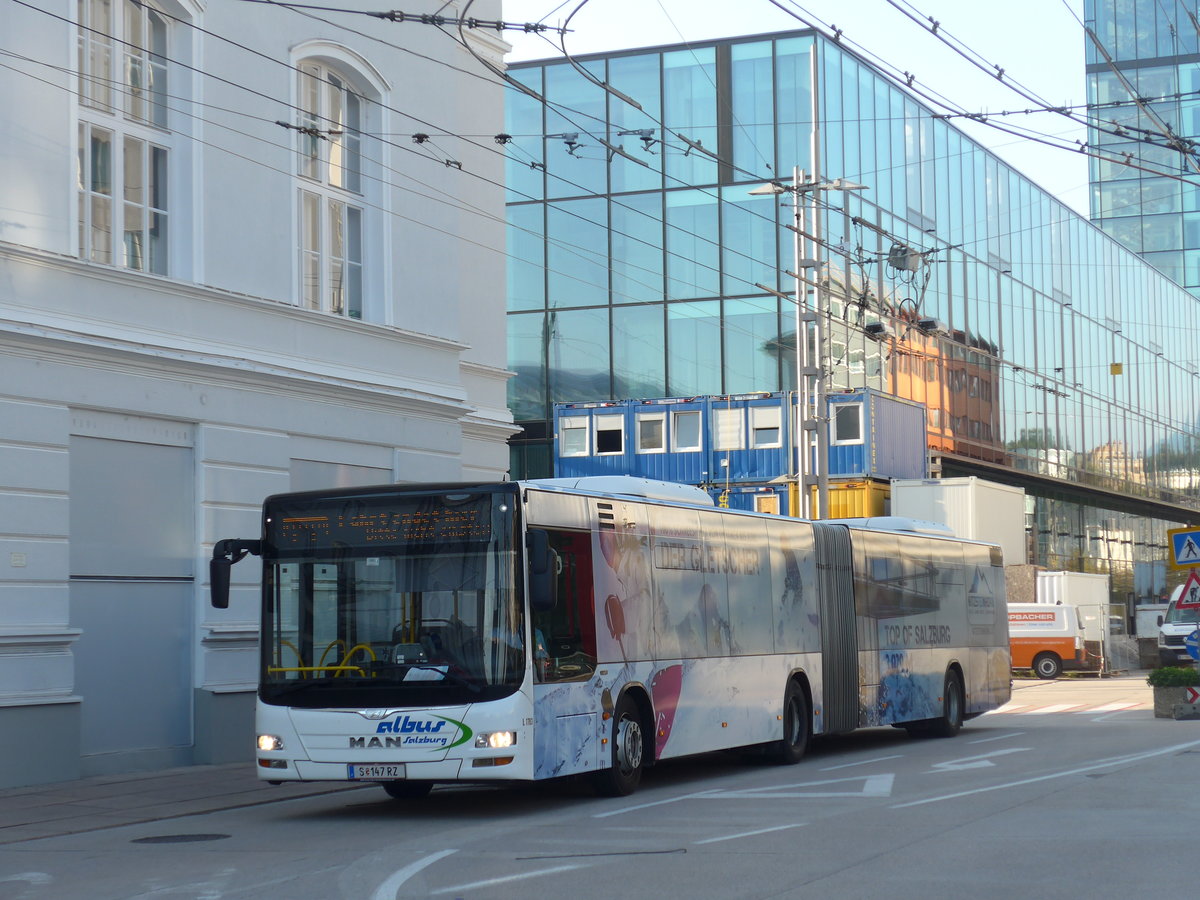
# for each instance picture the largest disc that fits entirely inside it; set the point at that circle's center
(811, 363)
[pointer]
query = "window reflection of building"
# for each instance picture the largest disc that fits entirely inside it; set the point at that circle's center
(955, 377)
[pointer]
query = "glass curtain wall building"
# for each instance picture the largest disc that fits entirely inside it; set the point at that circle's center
(1143, 77)
(641, 265)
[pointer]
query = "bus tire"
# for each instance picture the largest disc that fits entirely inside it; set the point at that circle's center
(408, 790)
(797, 724)
(627, 760)
(1047, 665)
(951, 719)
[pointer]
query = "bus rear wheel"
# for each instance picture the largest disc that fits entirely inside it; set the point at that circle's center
(1047, 665)
(951, 719)
(408, 790)
(624, 774)
(796, 726)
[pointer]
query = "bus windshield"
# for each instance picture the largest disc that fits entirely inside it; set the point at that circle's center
(398, 600)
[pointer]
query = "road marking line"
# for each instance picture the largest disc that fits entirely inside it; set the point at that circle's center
(865, 762)
(1055, 708)
(1102, 764)
(1007, 708)
(974, 762)
(1108, 707)
(872, 786)
(617, 812)
(389, 889)
(1001, 737)
(731, 837)
(492, 882)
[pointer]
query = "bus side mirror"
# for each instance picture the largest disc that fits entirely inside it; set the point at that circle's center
(1160, 620)
(218, 582)
(543, 571)
(225, 554)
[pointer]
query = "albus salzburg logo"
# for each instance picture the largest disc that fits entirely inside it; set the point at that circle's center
(405, 731)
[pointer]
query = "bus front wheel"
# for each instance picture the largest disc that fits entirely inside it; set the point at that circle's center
(796, 725)
(624, 774)
(1047, 666)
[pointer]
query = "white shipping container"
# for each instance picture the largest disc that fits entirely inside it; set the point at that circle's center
(972, 508)
(1086, 592)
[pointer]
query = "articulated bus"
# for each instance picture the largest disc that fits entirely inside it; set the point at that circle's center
(520, 631)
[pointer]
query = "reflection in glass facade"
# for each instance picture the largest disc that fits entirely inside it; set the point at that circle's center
(1047, 354)
(1149, 49)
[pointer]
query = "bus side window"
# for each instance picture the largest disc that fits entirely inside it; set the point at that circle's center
(568, 632)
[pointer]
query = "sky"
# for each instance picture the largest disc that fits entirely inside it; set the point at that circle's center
(1038, 43)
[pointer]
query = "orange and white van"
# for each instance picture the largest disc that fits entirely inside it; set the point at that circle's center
(1046, 638)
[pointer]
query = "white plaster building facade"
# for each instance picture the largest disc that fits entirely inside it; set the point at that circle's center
(227, 270)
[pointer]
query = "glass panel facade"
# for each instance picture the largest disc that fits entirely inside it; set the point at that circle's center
(999, 308)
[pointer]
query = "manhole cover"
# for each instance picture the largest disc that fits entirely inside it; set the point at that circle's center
(179, 838)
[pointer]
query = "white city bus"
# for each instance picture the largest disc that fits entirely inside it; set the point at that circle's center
(522, 631)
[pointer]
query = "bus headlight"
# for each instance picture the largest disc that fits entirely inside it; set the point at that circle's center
(496, 740)
(270, 742)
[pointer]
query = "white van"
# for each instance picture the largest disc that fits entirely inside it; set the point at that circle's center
(1173, 626)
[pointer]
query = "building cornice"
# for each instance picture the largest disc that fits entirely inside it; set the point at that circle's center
(143, 281)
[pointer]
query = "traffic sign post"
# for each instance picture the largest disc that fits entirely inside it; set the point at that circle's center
(1185, 547)
(1191, 643)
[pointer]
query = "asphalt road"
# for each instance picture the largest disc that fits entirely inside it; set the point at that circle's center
(1073, 790)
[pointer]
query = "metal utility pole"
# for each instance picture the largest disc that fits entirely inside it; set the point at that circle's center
(812, 439)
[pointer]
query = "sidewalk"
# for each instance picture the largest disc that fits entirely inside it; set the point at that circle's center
(106, 801)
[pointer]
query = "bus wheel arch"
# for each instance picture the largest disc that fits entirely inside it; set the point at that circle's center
(796, 719)
(631, 747)
(1047, 665)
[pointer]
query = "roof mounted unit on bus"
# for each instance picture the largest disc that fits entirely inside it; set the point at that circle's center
(898, 523)
(628, 485)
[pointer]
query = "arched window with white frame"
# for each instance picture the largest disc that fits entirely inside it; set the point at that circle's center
(125, 144)
(332, 201)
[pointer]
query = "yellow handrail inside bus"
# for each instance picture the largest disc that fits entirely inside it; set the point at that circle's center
(350, 653)
(295, 650)
(337, 670)
(337, 643)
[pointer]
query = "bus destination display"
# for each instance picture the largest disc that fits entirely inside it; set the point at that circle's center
(428, 521)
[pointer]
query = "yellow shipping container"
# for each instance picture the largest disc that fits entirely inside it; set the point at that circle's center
(857, 499)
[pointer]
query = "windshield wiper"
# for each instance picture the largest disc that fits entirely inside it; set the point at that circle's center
(446, 673)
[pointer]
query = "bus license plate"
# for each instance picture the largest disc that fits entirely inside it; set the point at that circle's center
(374, 773)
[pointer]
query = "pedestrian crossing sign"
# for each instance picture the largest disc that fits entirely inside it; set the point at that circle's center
(1185, 547)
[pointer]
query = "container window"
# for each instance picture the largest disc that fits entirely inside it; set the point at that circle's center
(766, 503)
(610, 435)
(728, 429)
(651, 433)
(765, 426)
(685, 428)
(848, 423)
(573, 436)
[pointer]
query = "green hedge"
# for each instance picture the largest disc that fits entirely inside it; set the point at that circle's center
(1174, 676)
